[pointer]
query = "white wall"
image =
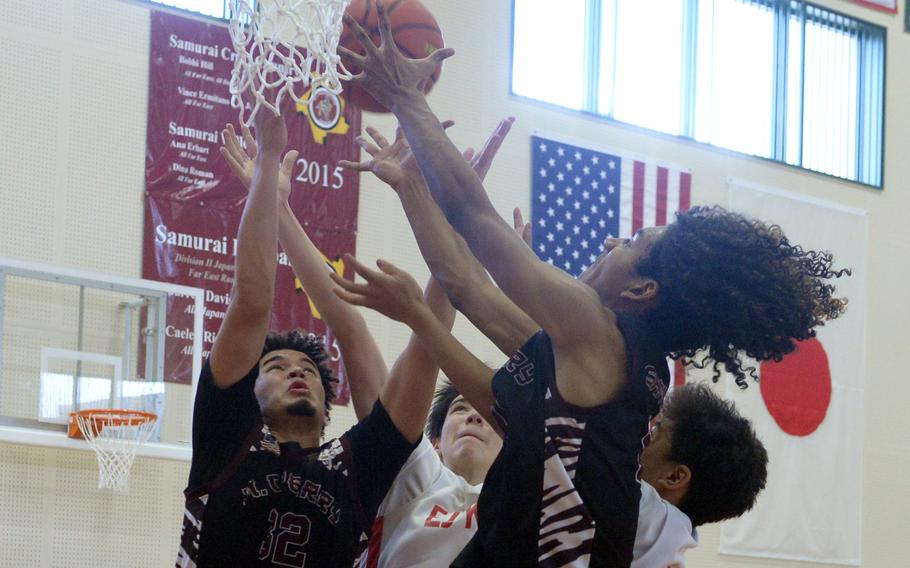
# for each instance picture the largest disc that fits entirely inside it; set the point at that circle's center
(73, 107)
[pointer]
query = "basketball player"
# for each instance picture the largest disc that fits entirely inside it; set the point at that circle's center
(427, 527)
(262, 490)
(576, 398)
(466, 459)
(703, 462)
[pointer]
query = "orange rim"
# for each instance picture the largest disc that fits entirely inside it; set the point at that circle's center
(101, 417)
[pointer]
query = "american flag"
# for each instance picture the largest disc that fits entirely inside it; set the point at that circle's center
(581, 196)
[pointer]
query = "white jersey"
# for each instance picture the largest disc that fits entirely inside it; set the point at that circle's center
(427, 517)
(664, 533)
(430, 514)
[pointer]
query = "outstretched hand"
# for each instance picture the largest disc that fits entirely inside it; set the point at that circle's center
(392, 163)
(395, 163)
(388, 75)
(242, 159)
(390, 290)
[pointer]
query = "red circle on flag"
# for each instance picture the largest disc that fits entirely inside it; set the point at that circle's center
(797, 391)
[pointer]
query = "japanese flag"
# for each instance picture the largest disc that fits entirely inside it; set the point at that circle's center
(808, 409)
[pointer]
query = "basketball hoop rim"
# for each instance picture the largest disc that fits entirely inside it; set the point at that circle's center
(101, 417)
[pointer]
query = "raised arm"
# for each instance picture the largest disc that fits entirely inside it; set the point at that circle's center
(239, 341)
(568, 310)
(366, 368)
(363, 361)
(395, 294)
(412, 380)
(464, 280)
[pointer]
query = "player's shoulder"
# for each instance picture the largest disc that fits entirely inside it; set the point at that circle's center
(664, 532)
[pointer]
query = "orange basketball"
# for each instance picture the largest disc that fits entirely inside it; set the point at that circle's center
(414, 29)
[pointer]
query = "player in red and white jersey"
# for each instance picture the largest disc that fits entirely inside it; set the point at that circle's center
(430, 512)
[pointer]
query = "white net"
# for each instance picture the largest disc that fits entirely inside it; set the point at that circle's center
(282, 47)
(115, 436)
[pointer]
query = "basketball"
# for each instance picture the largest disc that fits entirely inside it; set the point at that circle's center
(414, 29)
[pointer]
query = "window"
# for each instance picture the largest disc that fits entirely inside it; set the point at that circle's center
(647, 67)
(734, 98)
(779, 79)
(541, 72)
(216, 8)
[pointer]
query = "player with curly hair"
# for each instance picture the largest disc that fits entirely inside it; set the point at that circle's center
(576, 398)
(732, 285)
(703, 461)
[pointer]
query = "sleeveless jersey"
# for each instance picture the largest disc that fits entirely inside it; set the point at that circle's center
(253, 501)
(564, 489)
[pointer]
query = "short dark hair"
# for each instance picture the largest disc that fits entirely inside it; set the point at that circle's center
(728, 462)
(442, 400)
(313, 346)
(730, 284)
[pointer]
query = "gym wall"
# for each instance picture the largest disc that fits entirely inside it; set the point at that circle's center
(73, 102)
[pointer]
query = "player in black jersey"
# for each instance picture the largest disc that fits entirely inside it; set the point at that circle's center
(702, 463)
(262, 490)
(576, 398)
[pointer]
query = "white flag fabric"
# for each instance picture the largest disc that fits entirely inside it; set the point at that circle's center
(808, 409)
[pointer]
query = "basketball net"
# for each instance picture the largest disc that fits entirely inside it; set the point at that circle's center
(115, 435)
(283, 45)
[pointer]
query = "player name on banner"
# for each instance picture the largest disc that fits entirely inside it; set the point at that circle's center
(582, 196)
(808, 408)
(194, 204)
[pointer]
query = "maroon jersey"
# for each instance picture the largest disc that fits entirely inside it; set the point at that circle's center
(563, 491)
(252, 501)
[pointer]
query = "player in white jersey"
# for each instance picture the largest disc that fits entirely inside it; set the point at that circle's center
(430, 512)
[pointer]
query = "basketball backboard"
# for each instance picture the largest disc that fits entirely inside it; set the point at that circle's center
(72, 340)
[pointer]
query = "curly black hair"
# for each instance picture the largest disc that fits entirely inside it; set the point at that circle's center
(728, 462)
(442, 400)
(313, 347)
(730, 284)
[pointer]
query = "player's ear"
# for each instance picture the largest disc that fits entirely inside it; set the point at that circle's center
(676, 480)
(641, 290)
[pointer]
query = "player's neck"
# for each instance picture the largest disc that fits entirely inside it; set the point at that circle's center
(473, 475)
(304, 432)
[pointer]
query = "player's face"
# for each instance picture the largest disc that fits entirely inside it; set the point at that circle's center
(615, 270)
(467, 444)
(289, 385)
(654, 458)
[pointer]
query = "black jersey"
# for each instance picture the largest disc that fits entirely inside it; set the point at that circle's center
(564, 490)
(252, 501)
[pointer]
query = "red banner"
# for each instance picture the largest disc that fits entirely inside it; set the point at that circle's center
(884, 5)
(193, 202)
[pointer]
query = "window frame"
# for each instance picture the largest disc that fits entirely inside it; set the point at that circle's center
(159, 5)
(783, 10)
